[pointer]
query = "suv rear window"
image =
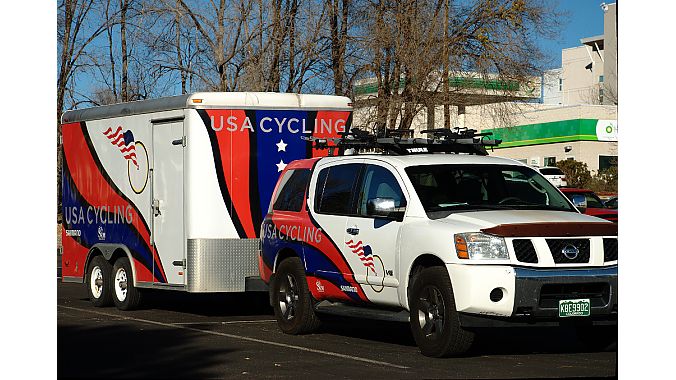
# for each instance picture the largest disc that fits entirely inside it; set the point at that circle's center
(336, 189)
(292, 190)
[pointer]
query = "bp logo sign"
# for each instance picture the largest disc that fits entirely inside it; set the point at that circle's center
(606, 130)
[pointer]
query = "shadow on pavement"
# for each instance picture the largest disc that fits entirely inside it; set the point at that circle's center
(208, 304)
(131, 352)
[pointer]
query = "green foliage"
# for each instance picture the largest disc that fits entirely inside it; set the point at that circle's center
(605, 181)
(578, 175)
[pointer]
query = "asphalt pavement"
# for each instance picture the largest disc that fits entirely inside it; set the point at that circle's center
(213, 336)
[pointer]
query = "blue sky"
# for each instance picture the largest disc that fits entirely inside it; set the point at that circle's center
(585, 20)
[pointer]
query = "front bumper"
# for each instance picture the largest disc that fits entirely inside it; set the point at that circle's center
(531, 295)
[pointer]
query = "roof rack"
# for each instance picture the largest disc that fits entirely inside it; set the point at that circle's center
(456, 140)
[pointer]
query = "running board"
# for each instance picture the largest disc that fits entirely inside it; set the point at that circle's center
(341, 309)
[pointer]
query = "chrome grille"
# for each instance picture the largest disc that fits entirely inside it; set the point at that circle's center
(524, 250)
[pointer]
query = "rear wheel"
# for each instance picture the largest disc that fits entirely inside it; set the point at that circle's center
(434, 320)
(291, 299)
(125, 295)
(98, 282)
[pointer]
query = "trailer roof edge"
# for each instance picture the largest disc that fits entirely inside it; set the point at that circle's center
(242, 100)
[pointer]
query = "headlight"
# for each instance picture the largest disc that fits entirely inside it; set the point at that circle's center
(479, 246)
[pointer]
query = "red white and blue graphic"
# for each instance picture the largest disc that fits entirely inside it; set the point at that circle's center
(124, 141)
(364, 252)
(262, 143)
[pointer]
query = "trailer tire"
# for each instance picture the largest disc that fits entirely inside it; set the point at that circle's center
(98, 282)
(434, 320)
(291, 299)
(125, 295)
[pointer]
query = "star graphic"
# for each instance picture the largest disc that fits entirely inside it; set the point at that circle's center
(281, 146)
(280, 166)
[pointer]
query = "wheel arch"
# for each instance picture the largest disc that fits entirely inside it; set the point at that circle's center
(110, 252)
(425, 260)
(282, 255)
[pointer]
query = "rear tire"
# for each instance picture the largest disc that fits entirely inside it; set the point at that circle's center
(434, 320)
(98, 282)
(125, 295)
(291, 299)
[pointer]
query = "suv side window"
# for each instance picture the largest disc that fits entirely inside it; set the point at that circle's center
(292, 190)
(336, 188)
(380, 183)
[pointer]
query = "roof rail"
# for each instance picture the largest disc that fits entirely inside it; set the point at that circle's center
(456, 140)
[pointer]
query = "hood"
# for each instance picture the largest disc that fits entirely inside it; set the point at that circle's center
(477, 220)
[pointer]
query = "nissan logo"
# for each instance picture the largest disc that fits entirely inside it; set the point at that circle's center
(570, 251)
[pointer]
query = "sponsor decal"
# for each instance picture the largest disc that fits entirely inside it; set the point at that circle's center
(100, 214)
(278, 124)
(320, 287)
(101, 233)
(77, 233)
(348, 288)
(306, 234)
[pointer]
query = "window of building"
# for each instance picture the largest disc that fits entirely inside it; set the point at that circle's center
(336, 187)
(606, 162)
(560, 84)
(292, 190)
(600, 95)
(600, 78)
(550, 161)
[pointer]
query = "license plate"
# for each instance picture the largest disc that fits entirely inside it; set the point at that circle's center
(574, 308)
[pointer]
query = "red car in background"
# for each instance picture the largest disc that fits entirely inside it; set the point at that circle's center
(595, 206)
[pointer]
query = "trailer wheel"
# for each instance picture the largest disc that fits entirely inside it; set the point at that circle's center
(291, 299)
(125, 295)
(98, 282)
(434, 319)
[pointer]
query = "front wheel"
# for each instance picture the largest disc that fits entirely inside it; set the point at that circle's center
(291, 299)
(434, 320)
(125, 295)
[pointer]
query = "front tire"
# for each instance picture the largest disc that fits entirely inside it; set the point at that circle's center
(125, 295)
(434, 320)
(98, 280)
(291, 299)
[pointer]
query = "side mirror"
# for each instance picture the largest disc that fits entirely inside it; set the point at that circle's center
(580, 202)
(384, 208)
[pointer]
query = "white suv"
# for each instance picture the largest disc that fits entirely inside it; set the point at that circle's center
(455, 241)
(554, 175)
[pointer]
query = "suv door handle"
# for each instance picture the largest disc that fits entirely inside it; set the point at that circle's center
(352, 230)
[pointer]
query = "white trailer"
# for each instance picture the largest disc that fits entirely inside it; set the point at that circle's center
(170, 193)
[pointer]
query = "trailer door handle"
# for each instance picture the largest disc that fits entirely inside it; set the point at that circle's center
(353, 230)
(180, 141)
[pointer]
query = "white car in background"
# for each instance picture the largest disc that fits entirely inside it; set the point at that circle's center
(554, 175)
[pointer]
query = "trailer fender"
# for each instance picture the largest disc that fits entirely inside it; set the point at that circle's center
(108, 252)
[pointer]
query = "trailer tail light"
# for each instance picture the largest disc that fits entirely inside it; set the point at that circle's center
(197, 100)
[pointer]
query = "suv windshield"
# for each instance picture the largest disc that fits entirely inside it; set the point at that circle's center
(444, 189)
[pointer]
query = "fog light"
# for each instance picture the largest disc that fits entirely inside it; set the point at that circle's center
(496, 294)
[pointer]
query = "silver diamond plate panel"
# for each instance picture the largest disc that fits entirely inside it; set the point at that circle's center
(220, 265)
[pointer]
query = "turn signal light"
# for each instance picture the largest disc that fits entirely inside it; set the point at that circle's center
(461, 247)
(197, 100)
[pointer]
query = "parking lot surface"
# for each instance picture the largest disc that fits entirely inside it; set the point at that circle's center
(213, 336)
